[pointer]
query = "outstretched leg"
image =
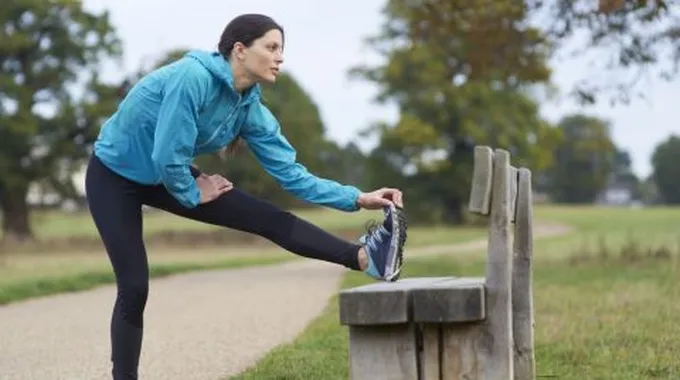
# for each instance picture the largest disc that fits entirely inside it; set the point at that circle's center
(115, 205)
(241, 211)
(381, 248)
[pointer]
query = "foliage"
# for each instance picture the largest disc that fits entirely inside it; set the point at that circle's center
(622, 40)
(467, 73)
(461, 74)
(584, 160)
(666, 173)
(51, 99)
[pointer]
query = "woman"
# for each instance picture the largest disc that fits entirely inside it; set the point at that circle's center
(196, 105)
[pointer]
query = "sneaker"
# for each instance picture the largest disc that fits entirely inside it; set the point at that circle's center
(384, 245)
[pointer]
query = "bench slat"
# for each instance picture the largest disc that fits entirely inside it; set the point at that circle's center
(380, 303)
(455, 300)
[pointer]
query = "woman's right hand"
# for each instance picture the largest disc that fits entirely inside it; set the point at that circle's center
(212, 186)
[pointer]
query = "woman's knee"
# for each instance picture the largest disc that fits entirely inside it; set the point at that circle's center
(132, 297)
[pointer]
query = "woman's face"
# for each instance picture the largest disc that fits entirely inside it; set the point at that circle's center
(263, 58)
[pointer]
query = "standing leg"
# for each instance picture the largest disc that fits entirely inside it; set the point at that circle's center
(241, 211)
(115, 204)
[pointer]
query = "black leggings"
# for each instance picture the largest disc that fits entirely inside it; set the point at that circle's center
(115, 204)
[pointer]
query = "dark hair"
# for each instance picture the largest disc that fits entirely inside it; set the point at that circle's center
(245, 29)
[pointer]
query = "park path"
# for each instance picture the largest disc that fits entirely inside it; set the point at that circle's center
(203, 325)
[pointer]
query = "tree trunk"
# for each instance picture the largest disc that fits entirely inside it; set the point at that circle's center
(454, 214)
(15, 222)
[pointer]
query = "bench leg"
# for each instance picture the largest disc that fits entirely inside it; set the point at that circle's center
(457, 352)
(383, 352)
(431, 355)
(463, 357)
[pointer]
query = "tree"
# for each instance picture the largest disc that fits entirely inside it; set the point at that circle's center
(623, 175)
(461, 74)
(623, 40)
(649, 193)
(666, 171)
(49, 51)
(346, 164)
(465, 73)
(584, 160)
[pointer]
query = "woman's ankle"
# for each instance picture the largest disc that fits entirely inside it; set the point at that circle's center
(362, 258)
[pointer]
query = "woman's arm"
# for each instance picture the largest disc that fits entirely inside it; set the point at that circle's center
(263, 134)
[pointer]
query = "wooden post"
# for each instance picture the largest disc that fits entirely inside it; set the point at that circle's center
(522, 293)
(484, 350)
(481, 349)
(498, 351)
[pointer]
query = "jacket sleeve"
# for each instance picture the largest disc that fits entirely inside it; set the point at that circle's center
(263, 136)
(176, 132)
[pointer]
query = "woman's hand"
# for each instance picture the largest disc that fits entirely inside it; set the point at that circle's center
(212, 186)
(380, 198)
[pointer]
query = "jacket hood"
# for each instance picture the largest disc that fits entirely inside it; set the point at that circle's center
(221, 69)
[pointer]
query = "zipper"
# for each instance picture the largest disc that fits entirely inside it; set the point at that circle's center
(221, 126)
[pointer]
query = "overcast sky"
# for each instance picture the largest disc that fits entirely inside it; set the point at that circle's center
(325, 39)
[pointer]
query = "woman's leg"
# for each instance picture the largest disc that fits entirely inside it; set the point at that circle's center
(115, 204)
(240, 211)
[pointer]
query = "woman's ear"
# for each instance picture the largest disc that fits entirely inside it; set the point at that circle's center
(239, 51)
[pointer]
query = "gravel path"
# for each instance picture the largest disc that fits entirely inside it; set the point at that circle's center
(204, 325)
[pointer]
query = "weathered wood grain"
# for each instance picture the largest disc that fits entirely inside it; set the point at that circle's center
(482, 176)
(522, 292)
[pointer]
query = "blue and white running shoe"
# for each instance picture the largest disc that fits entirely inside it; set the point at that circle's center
(384, 245)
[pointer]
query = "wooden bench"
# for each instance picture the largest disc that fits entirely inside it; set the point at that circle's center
(448, 328)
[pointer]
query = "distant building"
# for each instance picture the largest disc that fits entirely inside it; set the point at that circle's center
(617, 193)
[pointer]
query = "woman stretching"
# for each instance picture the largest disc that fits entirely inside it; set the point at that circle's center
(200, 104)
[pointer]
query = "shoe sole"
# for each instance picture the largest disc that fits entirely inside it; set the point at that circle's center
(395, 257)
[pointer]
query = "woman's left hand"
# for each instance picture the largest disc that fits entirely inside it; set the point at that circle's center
(380, 198)
(219, 181)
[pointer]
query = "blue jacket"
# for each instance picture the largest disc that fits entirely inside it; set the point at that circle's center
(190, 107)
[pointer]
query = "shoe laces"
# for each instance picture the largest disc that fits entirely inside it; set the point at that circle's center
(375, 233)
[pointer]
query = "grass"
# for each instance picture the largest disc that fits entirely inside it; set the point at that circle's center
(612, 228)
(598, 316)
(608, 320)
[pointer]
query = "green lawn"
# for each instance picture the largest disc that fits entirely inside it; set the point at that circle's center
(611, 228)
(603, 311)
